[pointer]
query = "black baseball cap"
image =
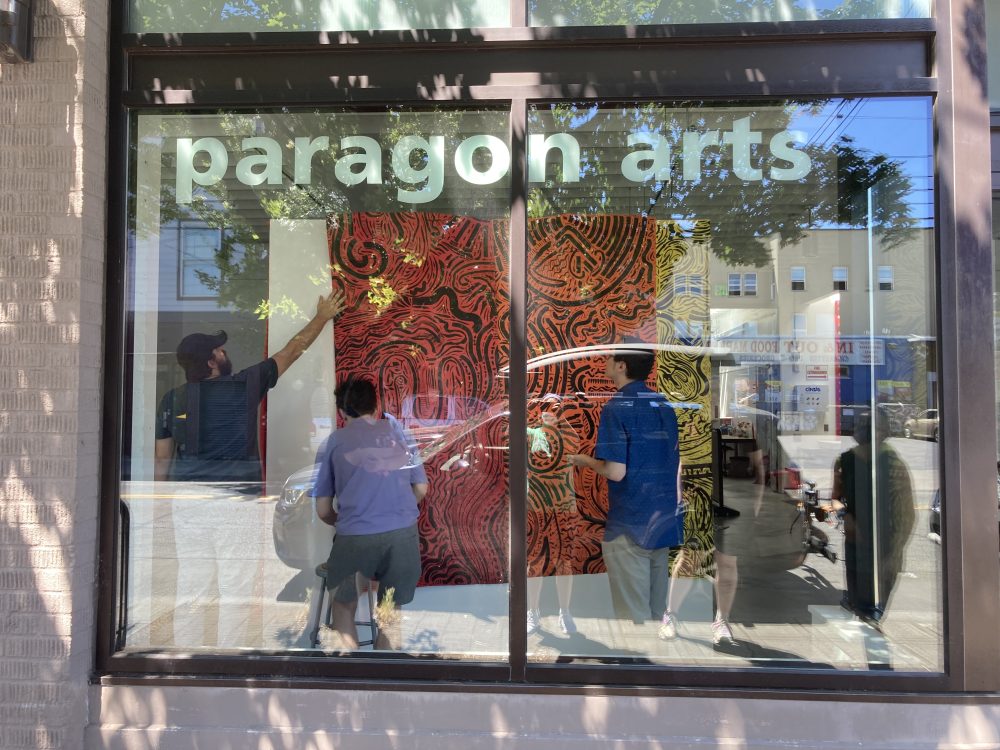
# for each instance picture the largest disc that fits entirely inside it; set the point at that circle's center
(196, 349)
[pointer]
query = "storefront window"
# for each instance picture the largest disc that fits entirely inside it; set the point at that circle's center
(717, 475)
(802, 424)
(249, 233)
(189, 16)
(590, 13)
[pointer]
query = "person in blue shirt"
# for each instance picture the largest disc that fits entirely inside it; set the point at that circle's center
(373, 469)
(638, 452)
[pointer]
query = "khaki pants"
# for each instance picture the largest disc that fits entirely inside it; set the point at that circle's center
(639, 579)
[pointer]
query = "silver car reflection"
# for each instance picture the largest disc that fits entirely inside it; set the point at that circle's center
(462, 435)
(924, 425)
(302, 541)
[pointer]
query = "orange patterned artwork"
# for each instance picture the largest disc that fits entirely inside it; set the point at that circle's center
(427, 319)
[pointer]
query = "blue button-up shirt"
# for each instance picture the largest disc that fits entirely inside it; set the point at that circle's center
(639, 429)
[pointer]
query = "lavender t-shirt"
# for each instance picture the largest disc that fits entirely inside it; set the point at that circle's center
(370, 466)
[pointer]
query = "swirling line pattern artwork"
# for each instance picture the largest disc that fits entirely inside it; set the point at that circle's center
(428, 318)
(425, 319)
(590, 281)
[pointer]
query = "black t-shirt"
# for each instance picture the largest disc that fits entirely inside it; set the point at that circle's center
(214, 425)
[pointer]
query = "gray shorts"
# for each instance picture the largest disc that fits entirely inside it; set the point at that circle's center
(392, 558)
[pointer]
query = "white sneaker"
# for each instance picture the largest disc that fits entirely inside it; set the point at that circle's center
(566, 623)
(534, 621)
(668, 628)
(722, 634)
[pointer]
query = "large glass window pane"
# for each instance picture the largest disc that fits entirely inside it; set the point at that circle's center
(243, 226)
(155, 16)
(804, 419)
(591, 13)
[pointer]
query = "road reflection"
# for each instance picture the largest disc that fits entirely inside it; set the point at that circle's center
(814, 456)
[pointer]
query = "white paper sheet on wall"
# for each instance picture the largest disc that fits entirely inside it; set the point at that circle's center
(300, 410)
(146, 298)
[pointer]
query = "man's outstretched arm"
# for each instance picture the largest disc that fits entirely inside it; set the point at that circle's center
(327, 308)
(608, 469)
(164, 456)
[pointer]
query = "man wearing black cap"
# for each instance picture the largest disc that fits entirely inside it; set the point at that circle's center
(206, 430)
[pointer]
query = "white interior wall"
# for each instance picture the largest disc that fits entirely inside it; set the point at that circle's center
(146, 296)
(299, 273)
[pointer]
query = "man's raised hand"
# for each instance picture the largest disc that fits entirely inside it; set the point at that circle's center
(330, 306)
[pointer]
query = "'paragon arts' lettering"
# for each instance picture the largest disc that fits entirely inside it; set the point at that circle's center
(419, 163)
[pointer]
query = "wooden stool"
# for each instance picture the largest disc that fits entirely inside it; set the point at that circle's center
(316, 611)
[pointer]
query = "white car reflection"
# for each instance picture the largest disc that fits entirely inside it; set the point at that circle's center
(452, 434)
(302, 541)
(924, 425)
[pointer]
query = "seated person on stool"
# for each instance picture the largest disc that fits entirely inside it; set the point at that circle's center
(378, 480)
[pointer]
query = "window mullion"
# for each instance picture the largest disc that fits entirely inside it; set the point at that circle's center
(517, 391)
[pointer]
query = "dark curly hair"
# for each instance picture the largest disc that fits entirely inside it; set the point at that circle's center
(356, 396)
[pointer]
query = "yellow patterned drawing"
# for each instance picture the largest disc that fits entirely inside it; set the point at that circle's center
(685, 375)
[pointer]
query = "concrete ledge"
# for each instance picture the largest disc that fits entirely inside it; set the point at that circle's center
(176, 718)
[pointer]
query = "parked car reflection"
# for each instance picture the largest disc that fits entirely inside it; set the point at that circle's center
(924, 425)
(301, 540)
(467, 459)
(463, 443)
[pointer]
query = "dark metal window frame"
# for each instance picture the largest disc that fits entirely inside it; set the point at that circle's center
(521, 65)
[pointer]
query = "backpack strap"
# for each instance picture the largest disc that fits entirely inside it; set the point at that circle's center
(192, 397)
(253, 399)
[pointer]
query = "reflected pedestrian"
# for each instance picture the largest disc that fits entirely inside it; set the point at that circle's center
(878, 517)
(206, 430)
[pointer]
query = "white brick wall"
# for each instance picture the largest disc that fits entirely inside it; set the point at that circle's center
(52, 198)
(140, 718)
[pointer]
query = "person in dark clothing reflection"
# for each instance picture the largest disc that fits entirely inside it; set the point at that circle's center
(206, 430)
(206, 435)
(873, 483)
